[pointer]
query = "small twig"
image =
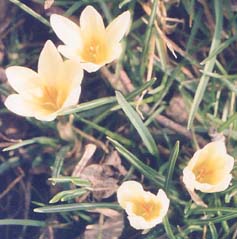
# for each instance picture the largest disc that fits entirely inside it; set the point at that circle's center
(12, 184)
(92, 139)
(179, 129)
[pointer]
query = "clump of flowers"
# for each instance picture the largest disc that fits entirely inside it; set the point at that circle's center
(91, 44)
(145, 209)
(209, 170)
(42, 95)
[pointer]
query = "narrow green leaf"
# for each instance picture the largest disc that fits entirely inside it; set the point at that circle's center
(138, 124)
(88, 105)
(75, 180)
(209, 64)
(76, 207)
(28, 10)
(10, 163)
(228, 122)
(58, 163)
(168, 228)
(107, 132)
(172, 160)
(36, 140)
(212, 220)
(67, 195)
(148, 172)
(22, 222)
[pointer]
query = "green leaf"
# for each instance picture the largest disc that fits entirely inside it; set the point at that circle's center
(28, 10)
(148, 172)
(68, 195)
(36, 140)
(138, 124)
(172, 160)
(209, 64)
(88, 105)
(76, 207)
(58, 163)
(23, 222)
(75, 180)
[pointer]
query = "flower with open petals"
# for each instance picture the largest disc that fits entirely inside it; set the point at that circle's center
(42, 95)
(209, 170)
(145, 209)
(91, 44)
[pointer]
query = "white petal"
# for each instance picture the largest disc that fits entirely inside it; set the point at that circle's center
(19, 105)
(49, 63)
(22, 78)
(68, 52)
(91, 21)
(118, 27)
(73, 78)
(90, 67)
(114, 53)
(66, 30)
(127, 191)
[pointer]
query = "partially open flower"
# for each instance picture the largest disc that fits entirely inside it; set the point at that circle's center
(42, 95)
(209, 170)
(91, 44)
(145, 209)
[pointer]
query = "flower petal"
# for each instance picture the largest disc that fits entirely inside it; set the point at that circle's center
(90, 67)
(19, 105)
(91, 22)
(68, 52)
(22, 78)
(66, 30)
(127, 191)
(49, 62)
(118, 27)
(73, 79)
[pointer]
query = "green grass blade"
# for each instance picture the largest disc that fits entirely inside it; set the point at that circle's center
(22, 222)
(88, 105)
(209, 64)
(67, 195)
(76, 207)
(30, 11)
(58, 163)
(212, 220)
(75, 180)
(138, 124)
(36, 140)
(107, 132)
(172, 161)
(168, 228)
(148, 172)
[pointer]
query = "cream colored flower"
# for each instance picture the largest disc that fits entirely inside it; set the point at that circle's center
(209, 169)
(145, 210)
(42, 95)
(91, 44)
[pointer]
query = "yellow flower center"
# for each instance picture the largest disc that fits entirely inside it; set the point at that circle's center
(51, 99)
(94, 51)
(147, 209)
(209, 170)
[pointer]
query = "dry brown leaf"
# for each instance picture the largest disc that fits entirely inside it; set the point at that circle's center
(110, 228)
(177, 109)
(114, 160)
(100, 176)
(89, 152)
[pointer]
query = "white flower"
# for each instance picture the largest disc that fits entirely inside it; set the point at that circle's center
(209, 170)
(91, 44)
(42, 95)
(145, 209)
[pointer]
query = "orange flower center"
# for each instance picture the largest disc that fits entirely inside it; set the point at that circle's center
(209, 170)
(51, 99)
(147, 209)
